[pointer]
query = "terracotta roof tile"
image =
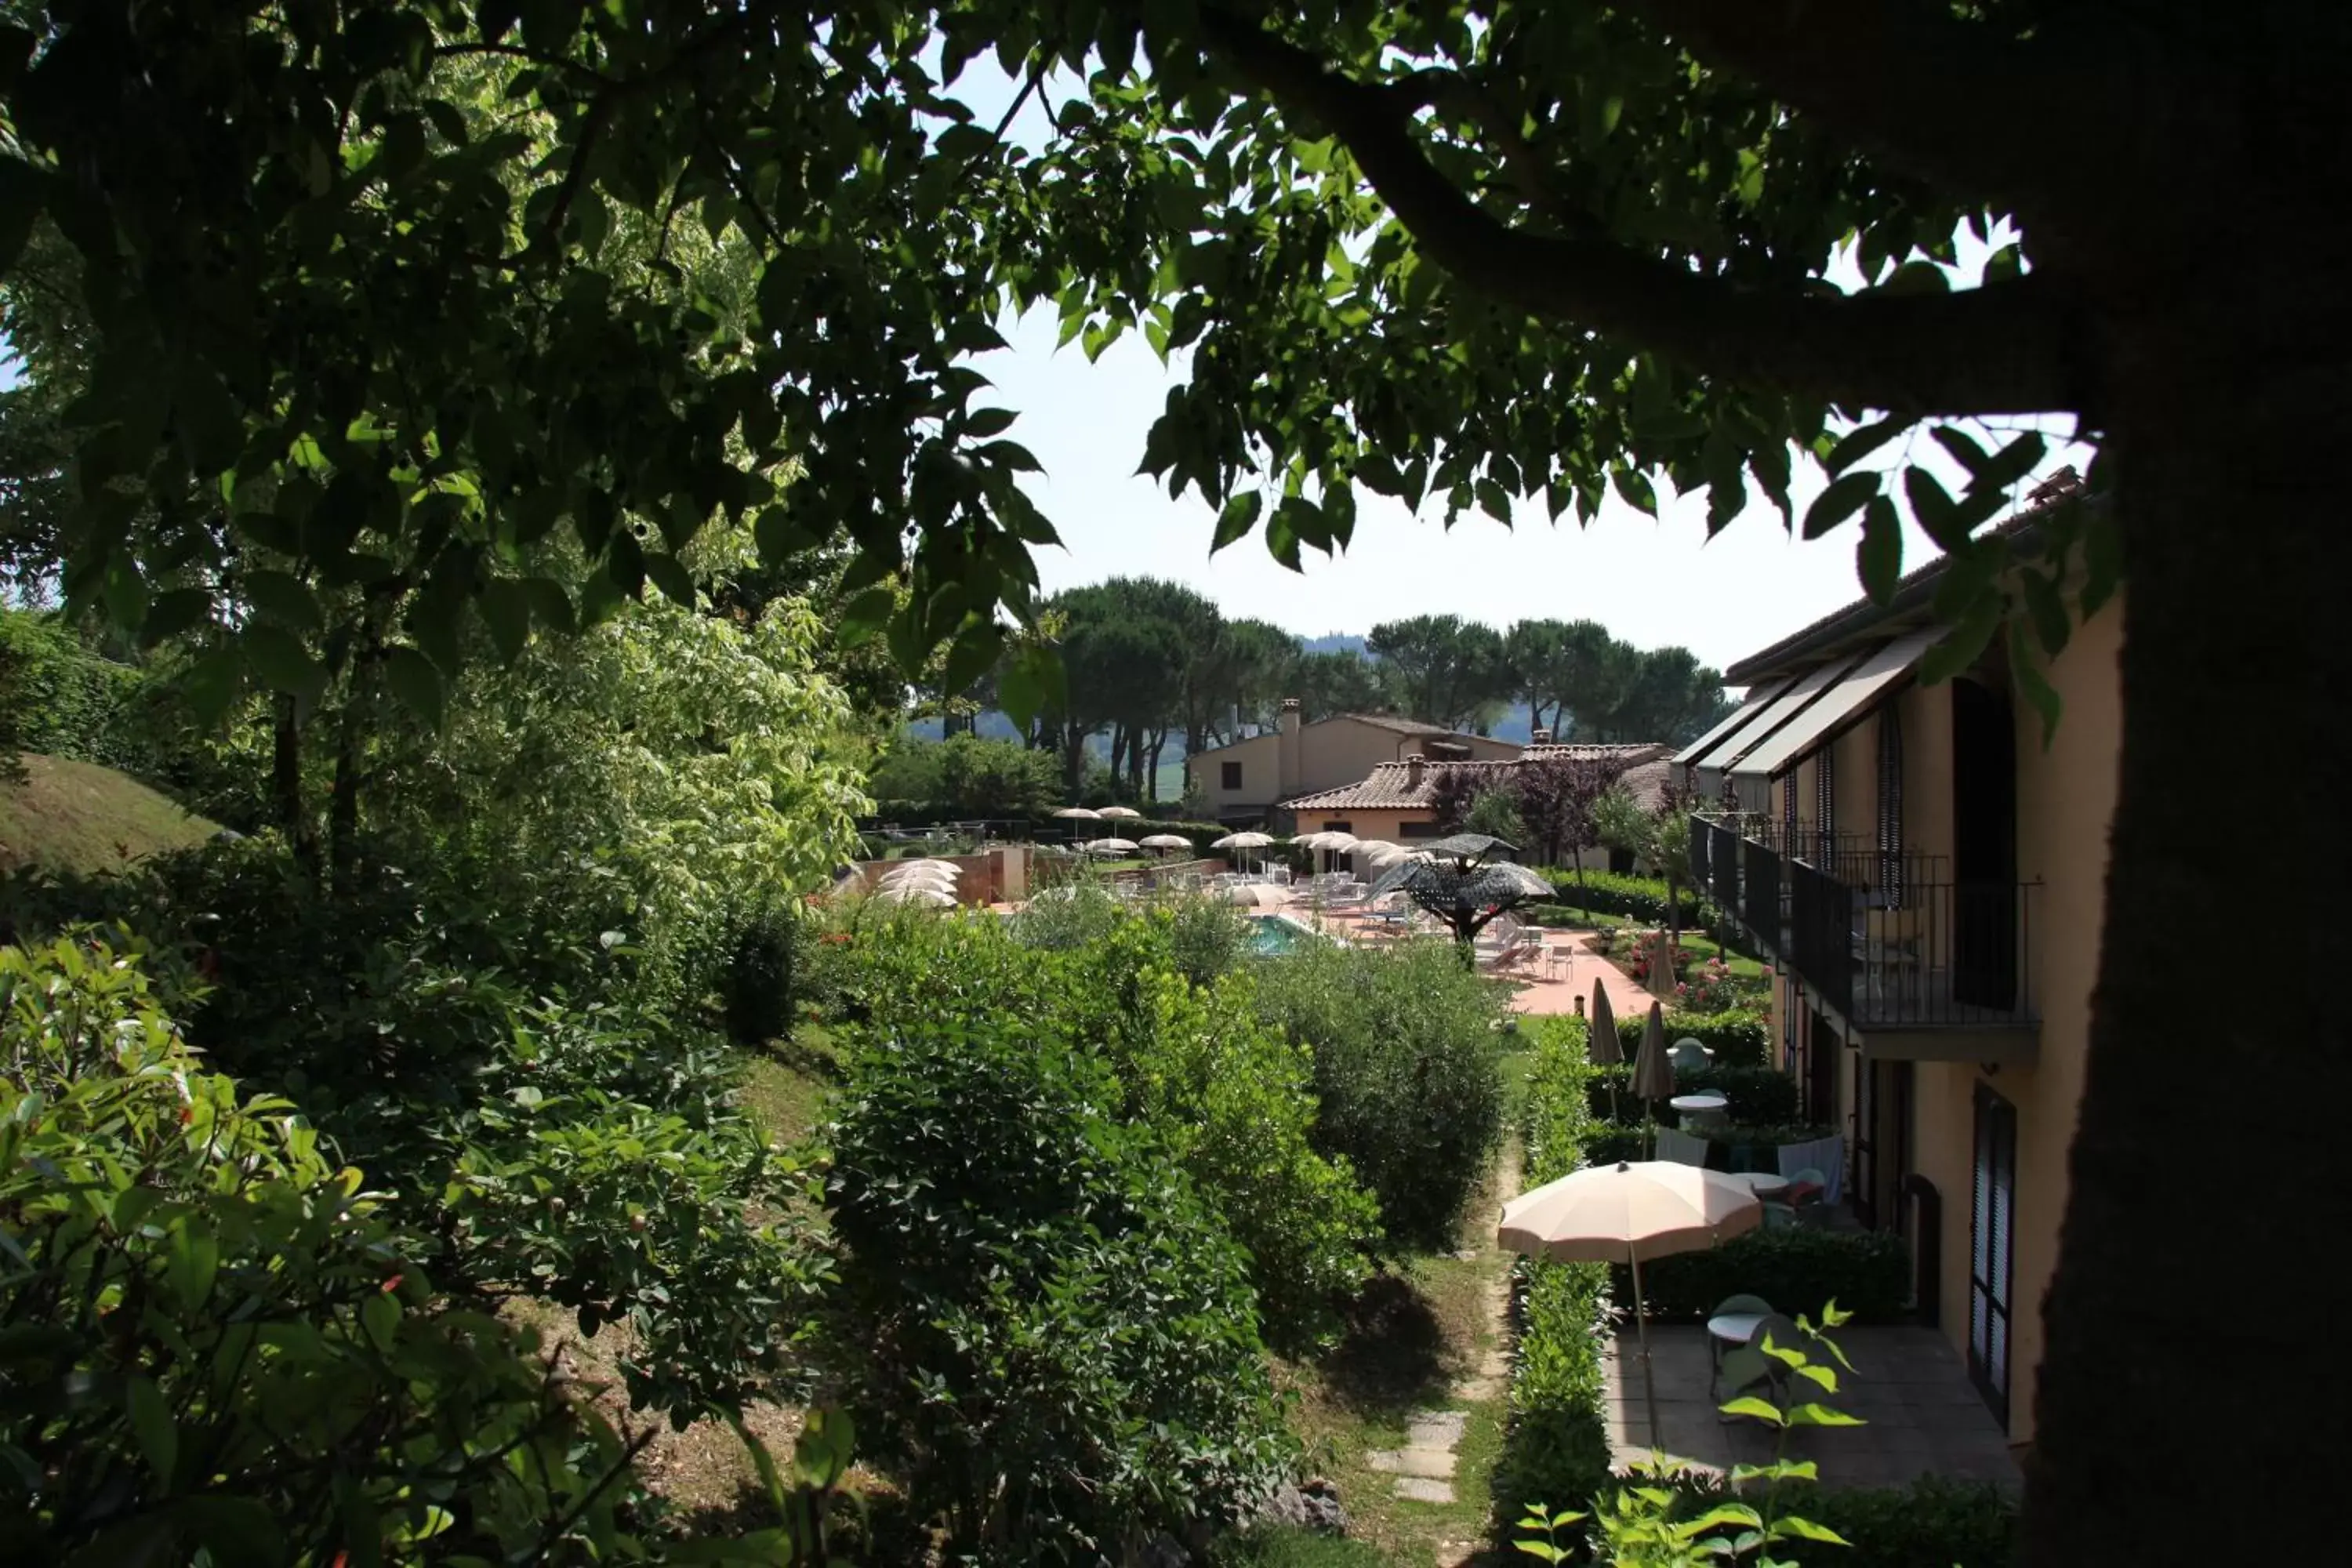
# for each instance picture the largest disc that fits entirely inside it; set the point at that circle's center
(1387, 786)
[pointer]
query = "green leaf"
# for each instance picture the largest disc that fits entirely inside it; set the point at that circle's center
(1634, 485)
(237, 1532)
(174, 611)
(1749, 1405)
(2048, 607)
(193, 1259)
(1237, 518)
(866, 615)
(1879, 556)
(1965, 643)
(1826, 1376)
(550, 605)
(1844, 497)
(2013, 462)
(983, 423)
(1806, 1529)
(24, 191)
(151, 1424)
(969, 656)
(414, 682)
(670, 575)
(1938, 514)
(1724, 1513)
(2027, 671)
(284, 598)
(1813, 1415)
(505, 606)
(205, 416)
(281, 662)
(1961, 446)
(1863, 441)
(379, 1316)
(1030, 683)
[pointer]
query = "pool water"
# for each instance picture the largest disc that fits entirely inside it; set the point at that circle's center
(1271, 936)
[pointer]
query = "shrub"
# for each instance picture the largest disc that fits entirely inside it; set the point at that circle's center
(1228, 1095)
(1739, 1039)
(1556, 1442)
(1407, 1072)
(1866, 1273)
(221, 1344)
(1047, 1326)
(60, 698)
(1755, 1096)
(757, 987)
(1931, 1523)
(1615, 893)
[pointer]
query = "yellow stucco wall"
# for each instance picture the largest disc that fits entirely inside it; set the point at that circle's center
(1261, 784)
(1332, 755)
(1388, 824)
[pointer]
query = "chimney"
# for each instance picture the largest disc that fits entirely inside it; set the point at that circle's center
(1290, 761)
(1539, 738)
(1414, 767)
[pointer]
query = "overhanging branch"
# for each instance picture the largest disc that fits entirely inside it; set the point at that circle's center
(1997, 350)
(1957, 102)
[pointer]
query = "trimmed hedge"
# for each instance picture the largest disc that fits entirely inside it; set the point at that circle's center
(1739, 1037)
(1556, 1446)
(1615, 893)
(1754, 1096)
(1931, 1523)
(1795, 1268)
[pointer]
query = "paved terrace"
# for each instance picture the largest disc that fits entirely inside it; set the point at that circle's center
(1922, 1415)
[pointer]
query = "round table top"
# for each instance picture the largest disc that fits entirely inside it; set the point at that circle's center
(1763, 1183)
(1738, 1328)
(1698, 1103)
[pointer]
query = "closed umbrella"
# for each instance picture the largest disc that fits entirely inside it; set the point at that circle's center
(1602, 1047)
(1625, 1213)
(1654, 1074)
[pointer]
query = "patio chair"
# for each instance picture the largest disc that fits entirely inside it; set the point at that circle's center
(1688, 1055)
(1823, 1160)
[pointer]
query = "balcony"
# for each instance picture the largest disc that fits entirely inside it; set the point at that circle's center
(1913, 964)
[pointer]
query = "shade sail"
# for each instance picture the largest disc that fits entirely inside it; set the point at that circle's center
(1775, 714)
(1839, 703)
(1759, 696)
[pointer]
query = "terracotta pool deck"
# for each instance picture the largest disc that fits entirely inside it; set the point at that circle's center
(1908, 1386)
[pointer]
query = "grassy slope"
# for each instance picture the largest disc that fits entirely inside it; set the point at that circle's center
(77, 816)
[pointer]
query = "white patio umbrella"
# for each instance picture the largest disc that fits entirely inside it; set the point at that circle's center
(921, 871)
(1112, 812)
(1334, 842)
(918, 894)
(1250, 840)
(1623, 1214)
(1079, 813)
(1111, 847)
(1165, 841)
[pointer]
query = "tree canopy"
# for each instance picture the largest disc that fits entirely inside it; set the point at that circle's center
(392, 303)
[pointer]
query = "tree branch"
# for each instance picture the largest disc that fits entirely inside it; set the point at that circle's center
(1978, 113)
(2002, 349)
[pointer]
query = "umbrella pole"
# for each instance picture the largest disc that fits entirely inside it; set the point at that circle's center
(1642, 1331)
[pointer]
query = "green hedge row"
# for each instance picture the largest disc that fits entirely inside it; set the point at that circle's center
(1615, 893)
(1795, 1268)
(1740, 1037)
(1931, 1523)
(1556, 1446)
(1758, 1096)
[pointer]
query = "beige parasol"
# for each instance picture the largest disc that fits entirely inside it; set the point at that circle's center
(1626, 1213)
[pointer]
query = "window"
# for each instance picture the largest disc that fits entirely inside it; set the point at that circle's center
(1418, 830)
(1228, 775)
(1890, 807)
(1338, 828)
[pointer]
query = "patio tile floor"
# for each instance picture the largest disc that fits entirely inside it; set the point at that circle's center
(1908, 1386)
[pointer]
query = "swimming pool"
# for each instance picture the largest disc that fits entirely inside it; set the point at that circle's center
(1271, 936)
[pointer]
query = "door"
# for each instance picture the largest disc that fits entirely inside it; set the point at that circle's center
(1820, 1071)
(1862, 1138)
(1983, 938)
(1992, 1233)
(1882, 1143)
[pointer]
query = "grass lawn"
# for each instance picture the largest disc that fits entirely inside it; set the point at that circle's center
(1707, 947)
(78, 816)
(785, 1086)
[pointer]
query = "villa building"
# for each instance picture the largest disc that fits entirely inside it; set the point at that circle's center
(1926, 876)
(1243, 783)
(1398, 801)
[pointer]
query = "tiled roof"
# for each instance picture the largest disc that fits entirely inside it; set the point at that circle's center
(1388, 721)
(1388, 787)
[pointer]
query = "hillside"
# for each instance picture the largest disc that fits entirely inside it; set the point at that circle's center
(77, 816)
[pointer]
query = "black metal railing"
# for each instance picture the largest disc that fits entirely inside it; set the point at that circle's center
(1881, 937)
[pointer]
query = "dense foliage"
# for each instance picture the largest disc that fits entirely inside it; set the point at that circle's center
(218, 1340)
(61, 699)
(1046, 1324)
(1557, 1443)
(1407, 1072)
(1615, 893)
(1866, 1272)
